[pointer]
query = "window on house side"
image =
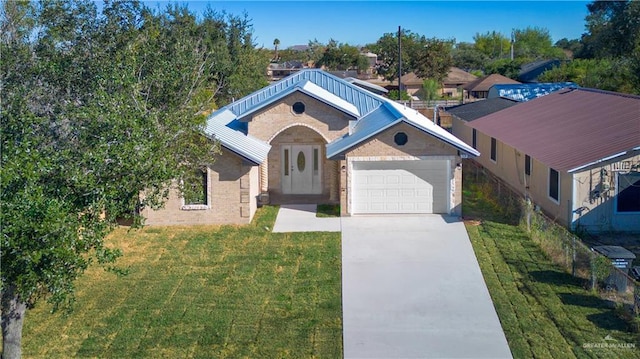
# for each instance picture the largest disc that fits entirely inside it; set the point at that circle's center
(316, 160)
(554, 185)
(195, 188)
(628, 199)
(527, 165)
(494, 150)
(474, 139)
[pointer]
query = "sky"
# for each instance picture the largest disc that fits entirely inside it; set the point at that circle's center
(363, 22)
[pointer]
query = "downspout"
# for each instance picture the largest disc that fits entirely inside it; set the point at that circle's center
(435, 113)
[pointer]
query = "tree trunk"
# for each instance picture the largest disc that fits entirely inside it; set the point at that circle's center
(13, 311)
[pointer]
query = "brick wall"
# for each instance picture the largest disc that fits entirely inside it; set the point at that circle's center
(230, 198)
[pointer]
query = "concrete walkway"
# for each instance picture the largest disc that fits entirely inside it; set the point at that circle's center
(412, 288)
(302, 218)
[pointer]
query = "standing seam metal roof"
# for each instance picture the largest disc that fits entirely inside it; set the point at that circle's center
(568, 129)
(373, 113)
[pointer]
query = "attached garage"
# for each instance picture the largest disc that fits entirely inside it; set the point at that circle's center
(412, 186)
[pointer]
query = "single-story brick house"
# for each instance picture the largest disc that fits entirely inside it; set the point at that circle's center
(315, 138)
(575, 153)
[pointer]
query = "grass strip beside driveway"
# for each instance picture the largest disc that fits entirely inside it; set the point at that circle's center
(203, 292)
(544, 311)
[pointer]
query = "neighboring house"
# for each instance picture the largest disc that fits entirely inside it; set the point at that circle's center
(453, 84)
(369, 86)
(479, 88)
(315, 138)
(277, 71)
(575, 153)
(526, 92)
(530, 72)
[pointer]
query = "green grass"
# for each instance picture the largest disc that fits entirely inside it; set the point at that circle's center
(328, 210)
(545, 312)
(203, 292)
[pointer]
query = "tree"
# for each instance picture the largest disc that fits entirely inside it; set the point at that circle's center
(387, 50)
(571, 47)
(467, 57)
(612, 29)
(341, 57)
(98, 108)
(504, 67)
(276, 43)
(434, 60)
(425, 57)
(613, 33)
(604, 74)
(534, 43)
(492, 44)
(430, 88)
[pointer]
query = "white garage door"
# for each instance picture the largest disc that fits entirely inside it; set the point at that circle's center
(400, 186)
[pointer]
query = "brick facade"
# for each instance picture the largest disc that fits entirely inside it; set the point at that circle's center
(234, 185)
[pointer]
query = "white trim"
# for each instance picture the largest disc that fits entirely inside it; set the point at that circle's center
(598, 161)
(615, 203)
(556, 201)
(491, 140)
(199, 207)
(574, 200)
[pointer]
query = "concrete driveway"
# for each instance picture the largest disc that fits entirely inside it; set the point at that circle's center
(412, 288)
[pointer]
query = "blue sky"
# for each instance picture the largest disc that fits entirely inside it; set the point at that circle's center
(362, 22)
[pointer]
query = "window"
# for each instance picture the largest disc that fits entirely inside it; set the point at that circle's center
(554, 185)
(316, 160)
(527, 165)
(286, 161)
(195, 187)
(298, 107)
(400, 138)
(474, 139)
(628, 199)
(494, 150)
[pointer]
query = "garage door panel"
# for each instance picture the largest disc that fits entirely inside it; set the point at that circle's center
(400, 187)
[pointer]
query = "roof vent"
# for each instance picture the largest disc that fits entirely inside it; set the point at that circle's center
(566, 90)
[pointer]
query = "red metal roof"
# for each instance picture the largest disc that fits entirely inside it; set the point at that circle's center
(569, 128)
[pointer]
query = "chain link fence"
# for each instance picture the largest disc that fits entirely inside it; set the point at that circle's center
(564, 248)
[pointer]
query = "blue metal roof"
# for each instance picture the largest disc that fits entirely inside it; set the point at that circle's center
(526, 92)
(363, 100)
(373, 114)
(233, 138)
(389, 114)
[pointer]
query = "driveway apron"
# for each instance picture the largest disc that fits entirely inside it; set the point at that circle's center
(412, 288)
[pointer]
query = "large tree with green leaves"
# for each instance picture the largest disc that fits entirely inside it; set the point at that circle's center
(96, 109)
(338, 56)
(429, 58)
(434, 60)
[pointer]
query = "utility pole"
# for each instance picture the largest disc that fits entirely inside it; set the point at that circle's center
(513, 40)
(399, 63)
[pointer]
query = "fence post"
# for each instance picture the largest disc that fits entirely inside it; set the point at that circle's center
(573, 257)
(593, 271)
(529, 208)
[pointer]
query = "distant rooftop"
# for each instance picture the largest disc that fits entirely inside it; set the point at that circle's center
(526, 92)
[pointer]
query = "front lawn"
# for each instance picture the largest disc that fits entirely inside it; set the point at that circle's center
(203, 292)
(544, 311)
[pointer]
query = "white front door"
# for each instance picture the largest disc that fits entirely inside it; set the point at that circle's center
(301, 169)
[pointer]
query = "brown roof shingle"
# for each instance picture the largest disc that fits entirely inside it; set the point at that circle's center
(570, 128)
(484, 83)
